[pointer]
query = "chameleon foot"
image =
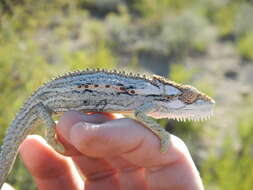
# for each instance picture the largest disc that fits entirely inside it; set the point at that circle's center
(165, 141)
(160, 132)
(45, 115)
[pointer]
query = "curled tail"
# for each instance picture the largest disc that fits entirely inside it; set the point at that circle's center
(7, 159)
(18, 130)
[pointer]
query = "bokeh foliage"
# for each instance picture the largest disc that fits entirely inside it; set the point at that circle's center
(232, 168)
(39, 40)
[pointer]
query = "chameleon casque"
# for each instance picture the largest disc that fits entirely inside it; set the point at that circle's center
(104, 91)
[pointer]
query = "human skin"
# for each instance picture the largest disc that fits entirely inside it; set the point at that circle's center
(111, 153)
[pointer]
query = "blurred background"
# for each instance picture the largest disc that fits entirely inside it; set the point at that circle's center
(205, 43)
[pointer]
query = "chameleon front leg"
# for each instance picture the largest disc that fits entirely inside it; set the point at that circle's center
(161, 133)
(46, 116)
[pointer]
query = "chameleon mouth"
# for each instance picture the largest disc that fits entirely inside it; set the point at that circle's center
(199, 111)
(192, 115)
(186, 114)
(189, 113)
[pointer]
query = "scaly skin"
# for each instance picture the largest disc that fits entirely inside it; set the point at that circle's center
(107, 91)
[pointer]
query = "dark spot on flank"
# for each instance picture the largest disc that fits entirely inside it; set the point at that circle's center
(87, 90)
(95, 85)
(85, 102)
(79, 86)
(122, 88)
(170, 97)
(161, 99)
(86, 86)
(119, 84)
(132, 91)
(107, 86)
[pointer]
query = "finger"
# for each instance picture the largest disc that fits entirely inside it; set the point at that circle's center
(98, 172)
(6, 186)
(135, 143)
(49, 169)
(181, 172)
(130, 175)
(115, 170)
(72, 117)
(113, 138)
(96, 169)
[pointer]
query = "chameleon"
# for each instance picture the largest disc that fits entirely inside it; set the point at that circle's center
(147, 98)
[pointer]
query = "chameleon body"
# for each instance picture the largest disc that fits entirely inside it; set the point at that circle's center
(106, 91)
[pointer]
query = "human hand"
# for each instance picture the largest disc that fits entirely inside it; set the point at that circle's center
(111, 154)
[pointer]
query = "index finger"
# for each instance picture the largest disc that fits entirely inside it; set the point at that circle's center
(131, 141)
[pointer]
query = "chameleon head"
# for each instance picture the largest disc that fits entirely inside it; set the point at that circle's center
(182, 102)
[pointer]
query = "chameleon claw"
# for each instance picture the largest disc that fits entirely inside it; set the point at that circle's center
(59, 148)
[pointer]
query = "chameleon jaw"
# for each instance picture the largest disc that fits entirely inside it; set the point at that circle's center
(192, 112)
(185, 115)
(200, 110)
(191, 116)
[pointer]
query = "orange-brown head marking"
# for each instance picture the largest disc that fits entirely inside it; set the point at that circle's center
(190, 95)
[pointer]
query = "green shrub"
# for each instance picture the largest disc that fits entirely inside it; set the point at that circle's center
(225, 20)
(101, 58)
(231, 166)
(180, 74)
(159, 7)
(245, 46)
(243, 20)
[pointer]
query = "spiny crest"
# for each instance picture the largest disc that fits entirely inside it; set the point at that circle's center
(166, 81)
(92, 71)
